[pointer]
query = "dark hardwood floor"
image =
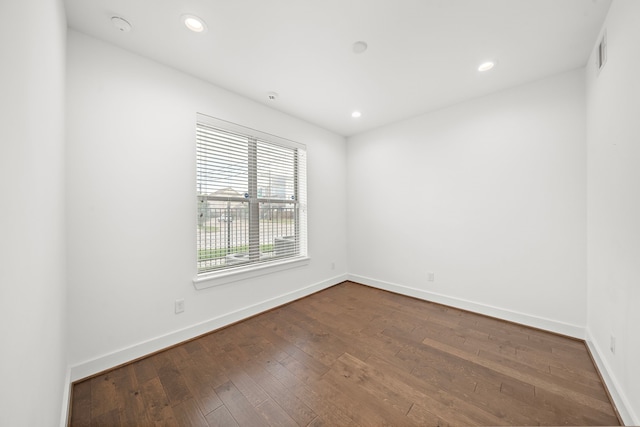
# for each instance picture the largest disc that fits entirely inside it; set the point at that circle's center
(353, 355)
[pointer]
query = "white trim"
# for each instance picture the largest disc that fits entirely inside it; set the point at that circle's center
(621, 401)
(243, 273)
(66, 399)
(563, 328)
(127, 354)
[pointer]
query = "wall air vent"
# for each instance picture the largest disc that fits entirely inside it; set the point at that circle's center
(601, 54)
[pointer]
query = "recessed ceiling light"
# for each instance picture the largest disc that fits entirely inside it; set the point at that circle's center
(194, 23)
(121, 24)
(486, 66)
(359, 47)
(356, 114)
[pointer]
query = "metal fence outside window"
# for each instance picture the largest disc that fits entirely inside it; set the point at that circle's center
(223, 233)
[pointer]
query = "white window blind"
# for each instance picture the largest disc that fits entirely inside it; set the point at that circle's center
(251, 195)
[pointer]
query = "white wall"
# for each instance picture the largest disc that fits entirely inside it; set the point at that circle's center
(613, 141)
(132, 210)
(33, 362)
(490, 195)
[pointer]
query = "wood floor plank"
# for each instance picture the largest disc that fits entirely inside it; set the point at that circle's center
(132, 405)
(174, 384)
(240, 379)
(294, 377)
(537, 379)
(518, 390)
(313, 364)
(144, 369)
(356, 404)
(200, 386)
(275, 415)
(497, 401)
(221, 417)
(368, 379)
(158, 408)
(507, 353)
(318, 346)
(351, 355)
(281, 348)
(207, 367)
(565, 408)
(327, 340)
(442, 368)
(239, 407)
(425, 418)
(277, 391)
(546, 374)
(104, 397)
(454, 407)
(107, 419)
(187, 414)
(249, 388)
(360, 340)
(81, 404)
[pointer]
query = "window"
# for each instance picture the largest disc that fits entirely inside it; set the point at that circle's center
(251, 196)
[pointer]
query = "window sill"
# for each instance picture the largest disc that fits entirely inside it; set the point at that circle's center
(242, 273)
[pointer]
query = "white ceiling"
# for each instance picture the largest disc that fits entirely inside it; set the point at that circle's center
(422, 55)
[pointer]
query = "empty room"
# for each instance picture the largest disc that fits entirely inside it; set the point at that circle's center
(306, 213)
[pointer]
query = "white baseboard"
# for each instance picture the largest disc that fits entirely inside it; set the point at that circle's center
(66, 399)
(619, 398)
(488, 310)
(124, 355)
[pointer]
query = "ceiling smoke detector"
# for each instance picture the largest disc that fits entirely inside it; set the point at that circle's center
(121, 24)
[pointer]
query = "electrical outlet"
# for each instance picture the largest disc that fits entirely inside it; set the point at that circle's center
(333, 265)
(612, 344)
(179, 306)
(432, 276)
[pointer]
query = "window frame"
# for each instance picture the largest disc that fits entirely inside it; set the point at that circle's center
(203, 280)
